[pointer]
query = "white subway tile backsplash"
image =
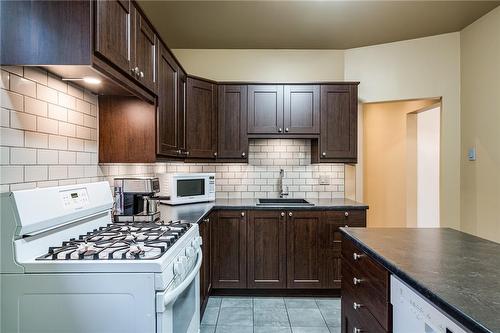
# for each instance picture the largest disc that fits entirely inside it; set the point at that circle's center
(11, 137)
(34, 106)
(35, 173)
(46, 94)
(4, 79)
(66, 129)
(57, 83)
(11, 174)
(82, 132)
(22, 186)
(18, 70)
(58, 142)
(46, 125)
(4, 117)
(82, 106)
(36, 140)
(22, 156)
(67, 157)
(21, 120)
(22, 86)
(4, 155)
(58, 112)
(45, 156)
(35, 74)
(58, 172)
(11, 100)
(66, 100)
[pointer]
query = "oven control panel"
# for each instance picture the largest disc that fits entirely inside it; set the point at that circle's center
(74, 199)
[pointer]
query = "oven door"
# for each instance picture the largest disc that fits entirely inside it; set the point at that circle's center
(178, 307)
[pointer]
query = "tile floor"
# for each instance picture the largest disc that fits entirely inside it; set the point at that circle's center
(271, 315)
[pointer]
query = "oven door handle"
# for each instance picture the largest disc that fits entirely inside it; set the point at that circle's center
(168, 296)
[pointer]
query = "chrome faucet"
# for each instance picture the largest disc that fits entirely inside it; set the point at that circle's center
(283, 188)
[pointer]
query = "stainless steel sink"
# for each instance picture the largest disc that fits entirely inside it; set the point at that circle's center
(283, 202)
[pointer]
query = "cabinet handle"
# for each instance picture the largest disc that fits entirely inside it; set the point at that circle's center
(356, 330)
(242, 214)
(323, 154)
(215, 154)
(356, 281)
(178, 151)
(141, 74)
(280, 130)
(286, 129)
(290, 214)
(346, 214)
(187, 153)
(243, 154)
(206, 220)
(356, 305)
(282, 214)
(356, 256)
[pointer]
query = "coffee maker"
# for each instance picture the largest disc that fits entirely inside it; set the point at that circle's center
(136, 200)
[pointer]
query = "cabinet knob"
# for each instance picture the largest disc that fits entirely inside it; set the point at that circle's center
(282, 214)
(286, 129)
(356, 281)
(178, 151)
(206, 220)
(243, 154)
(346, 226)
(187, 153)
(356, 256)
(356, 330)
(356, 305)
(280, 130)
(135, 70)
(141, 74)
(290, 214)
(323, 154)
(346, 214)
(242, 214)
(215, 154)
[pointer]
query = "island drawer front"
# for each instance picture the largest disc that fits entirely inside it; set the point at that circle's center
(359, 260)
(348, 218)
(372, 292)
(357, 319)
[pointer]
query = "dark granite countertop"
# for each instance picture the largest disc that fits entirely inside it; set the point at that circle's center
(195, 212)
(457, 272)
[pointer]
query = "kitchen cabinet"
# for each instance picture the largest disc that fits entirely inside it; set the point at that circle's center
(339, 123)
(145, 45)
(266, 249)
(304, 257)
(229, 250)
(171, 110)
(201, 119)
(365, 291)
(301, 109)
(232, 122)
(265, 109)
(205, 270)
(112, 32)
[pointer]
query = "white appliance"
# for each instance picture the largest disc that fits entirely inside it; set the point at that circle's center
(411, 313)
(65, 267)
(183, 188)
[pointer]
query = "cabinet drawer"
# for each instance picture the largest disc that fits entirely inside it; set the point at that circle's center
(359, 318)
(358, 259)
(369, 290)
(348, 218)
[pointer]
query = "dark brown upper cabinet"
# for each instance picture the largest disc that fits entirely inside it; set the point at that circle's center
(304, 252)
(229, 250)
(265, 109)
(339, 124)
(145, 44)
(301, 109)
(232, 122)
(266, 249)
(112, 32)
(201, 119)
(169, 111)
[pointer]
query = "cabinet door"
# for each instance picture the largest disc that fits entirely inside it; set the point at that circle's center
(201, 119)
(265, 109)
(331, 246)
(205, 274)
(145, 49)
(304, 255)
(267, 249)
(301, 109)
(112, 32)
(339, 123)
(232, 122)
(229, 265)
(168, 116)
(182, 103)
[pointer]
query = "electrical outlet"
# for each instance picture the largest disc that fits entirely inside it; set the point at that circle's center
(471, 154)
(324, 180)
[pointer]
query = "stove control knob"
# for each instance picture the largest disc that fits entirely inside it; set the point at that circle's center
(180, 266)
(190, 252)
(197, 242)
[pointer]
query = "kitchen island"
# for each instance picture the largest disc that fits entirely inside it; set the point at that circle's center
(458, 273)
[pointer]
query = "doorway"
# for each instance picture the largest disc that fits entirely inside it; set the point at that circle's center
(401, 152)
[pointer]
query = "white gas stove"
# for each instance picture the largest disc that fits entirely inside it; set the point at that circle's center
(66, 267)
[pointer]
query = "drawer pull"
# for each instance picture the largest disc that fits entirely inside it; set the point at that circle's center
(356, 256)
(282, 214)
(356, 330)
(356, 305)
(206, 220)
(356, 281)
(346, 214)
(242, 214)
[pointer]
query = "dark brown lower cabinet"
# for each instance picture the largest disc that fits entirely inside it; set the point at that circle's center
(229, 246)
(205, 270)
(304, 257)
(266, 249)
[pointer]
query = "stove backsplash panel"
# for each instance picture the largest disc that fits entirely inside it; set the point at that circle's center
(48, 137)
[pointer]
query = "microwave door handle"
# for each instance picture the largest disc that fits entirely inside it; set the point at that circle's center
(167, 297)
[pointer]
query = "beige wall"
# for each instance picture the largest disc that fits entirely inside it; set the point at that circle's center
(419, 68)
(264, 65)
(480, 180)
(386, 150)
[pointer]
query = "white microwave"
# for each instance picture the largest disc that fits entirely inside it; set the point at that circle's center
(183, 188)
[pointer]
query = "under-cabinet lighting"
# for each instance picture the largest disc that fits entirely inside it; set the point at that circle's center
(87, 79)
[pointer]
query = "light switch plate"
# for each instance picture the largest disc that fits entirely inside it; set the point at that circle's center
(324, 180)
(471, 154)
